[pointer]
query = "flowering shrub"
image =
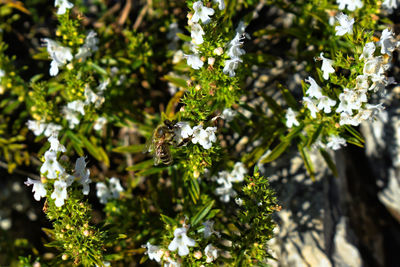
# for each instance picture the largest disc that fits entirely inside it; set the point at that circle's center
(143, 135)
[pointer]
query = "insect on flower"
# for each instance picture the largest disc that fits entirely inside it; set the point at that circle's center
(162, 138)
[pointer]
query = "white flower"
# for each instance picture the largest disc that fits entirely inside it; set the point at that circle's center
(115, 187)
(336, 142)
(311, 104)
(52, 128)
(204, 137)
(362, 82)
(181, 242)
(221, 4)
(346, 118)
(201, 12)
(182, 131)
(71, 116)
(173, 30)
(239, 201)
(390, 4)
(88, 47)
(194, 61)
(326, 66)
(208, 229)
(62, 5)
(291, 118)
(38, 188)
(375, 68)
(228, 114)
(59, 193)
(231, 65)
(55, 144)
(346, 25)
(368, 50)
(197, 34)
(234, 50)
(103, 85)
(154, 252)
(51, 168)
(211, 253)
(314, 90)
(91, 97)
(99, 123)
(102, 192)
(225, 191)
(351, 100)
(238, 173)
(351, 4)
(387, 42)
(77, 105)
(59, 54)
(37, 127)
(325, 103)
(83, 174)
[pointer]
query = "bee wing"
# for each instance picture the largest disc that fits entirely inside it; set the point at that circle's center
(149, 146)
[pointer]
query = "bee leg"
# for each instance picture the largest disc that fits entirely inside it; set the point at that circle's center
(183, 142)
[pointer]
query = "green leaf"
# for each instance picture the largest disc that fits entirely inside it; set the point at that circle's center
(329, 161)
(289, 98)
(168, 220)
(130, 149)
(141, 165)
(202, 213)
(276, 152)
(194, 190)
(307, 161)
(177, 81)
(354, 132)
(315, 135)
(184, 37)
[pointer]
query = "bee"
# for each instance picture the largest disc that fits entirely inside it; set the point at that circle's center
(162, 139)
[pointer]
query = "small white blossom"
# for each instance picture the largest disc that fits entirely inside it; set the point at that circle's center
(88, 47)
(311, 104)
(336, 142)
(59, 193)
(83, 174)
(375, 68)
(103, 85)
(362, 82)
(211, 253)
(238, 172)
(351, 100)
(234, 50)
(326, 66)
(115, 187)
(221, 4)
(102, 192)
(239, 201)
(51, 169)
(325, 103)
(347, 119)
(38, 188)
(71, 116)
(77, 105)
(368, 51)
(154, 252)
(225, 191)
(204, 137)
(349, 4)
(346, 25)
(231, 65)
(55, 144)
(387, 42)
(390, 4)
(99, 123)
(228, 114)
(291, 118)
(59, 55)
(92, 97)
(181, 242)
(197, 34)
(37, 127)
(314, 90)
(201, 12)
(62, 5)
(194, 61)
(182, 131)
(52, 128)
(208, 229)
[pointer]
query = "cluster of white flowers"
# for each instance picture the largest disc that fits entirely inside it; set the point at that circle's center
(315, 100)
(60, 55)
(201, 14)
(353, 107)
(40, 127)
(204, 137)
(346, 25)
(349, 4)
(226, 180)
(181, 243)
(62, 5)
(112, 191)
(52, 169)
(234, 51)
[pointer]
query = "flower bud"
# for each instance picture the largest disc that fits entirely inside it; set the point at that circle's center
(218, 51)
